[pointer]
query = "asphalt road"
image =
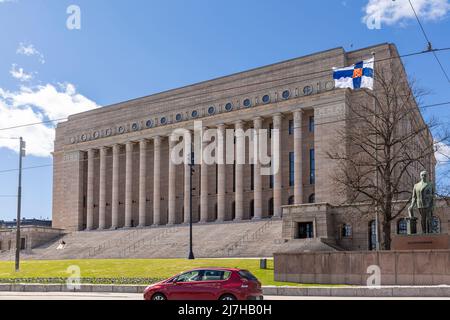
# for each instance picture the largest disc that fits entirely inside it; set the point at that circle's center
(134, 296)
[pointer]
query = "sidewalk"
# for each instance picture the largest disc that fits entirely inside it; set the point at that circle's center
(384, 291)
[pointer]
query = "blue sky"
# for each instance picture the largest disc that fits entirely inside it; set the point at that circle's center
(127, 49)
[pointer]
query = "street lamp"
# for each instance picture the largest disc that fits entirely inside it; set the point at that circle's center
(191, 167)
(22, 146)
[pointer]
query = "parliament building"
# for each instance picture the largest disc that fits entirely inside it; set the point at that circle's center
(112, 167)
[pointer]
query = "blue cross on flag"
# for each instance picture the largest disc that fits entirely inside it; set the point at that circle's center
(359, 75)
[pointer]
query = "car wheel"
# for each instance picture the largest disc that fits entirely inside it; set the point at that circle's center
(159, 296)
(228, 297)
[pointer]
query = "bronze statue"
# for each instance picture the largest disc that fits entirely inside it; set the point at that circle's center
(423, 200)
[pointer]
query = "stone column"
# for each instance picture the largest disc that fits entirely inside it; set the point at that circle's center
(221, 176)
(102, 190)
(90, 191)
(172, 184)
(187, 176)
(203, 186)
(257, 183)
(128, 183)
(240, 160)
(156, 181)
(276, 152)
(142, 182)
(298, 144)
(115, 188)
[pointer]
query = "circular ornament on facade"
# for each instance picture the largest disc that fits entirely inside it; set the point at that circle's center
(163, 120)
(229, 106)
(121, 129)
(83, 137)
(108, 132)
(96, 135)
(329, 85)
(247, 103)
(286, 94)
(307, 90)
(194, 114)
(72, 140)
(149, 123)
(135, 127)
(266, 98)
(179, 117)
(211, 110)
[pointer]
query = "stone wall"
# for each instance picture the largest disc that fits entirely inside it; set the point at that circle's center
(34, 237)
(328, 221)
(396, 267)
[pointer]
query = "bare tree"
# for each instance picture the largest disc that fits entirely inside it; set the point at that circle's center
(387, 143)
(443, 168)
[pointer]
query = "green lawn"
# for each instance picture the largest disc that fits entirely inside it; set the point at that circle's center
(131, 268)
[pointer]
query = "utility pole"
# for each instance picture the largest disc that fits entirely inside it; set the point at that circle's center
(191, 165)
(19, 204)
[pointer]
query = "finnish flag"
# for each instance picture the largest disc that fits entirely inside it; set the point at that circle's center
(359, 75)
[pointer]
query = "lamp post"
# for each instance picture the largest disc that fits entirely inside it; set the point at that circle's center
(19, 204)
(191, 171)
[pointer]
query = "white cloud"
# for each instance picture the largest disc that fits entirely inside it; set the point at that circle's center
(391, 12)
(20, 74)
(37, 104)
(442, 153)
(30, 50)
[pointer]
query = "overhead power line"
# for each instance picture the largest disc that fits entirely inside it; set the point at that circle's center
(429, 45)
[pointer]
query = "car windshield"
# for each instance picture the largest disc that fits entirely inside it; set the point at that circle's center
(247, 275)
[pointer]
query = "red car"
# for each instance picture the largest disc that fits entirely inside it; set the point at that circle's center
(207, 284)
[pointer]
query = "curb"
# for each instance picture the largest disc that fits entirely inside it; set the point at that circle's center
(385, 291)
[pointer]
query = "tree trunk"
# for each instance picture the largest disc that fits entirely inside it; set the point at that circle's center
(386, 235)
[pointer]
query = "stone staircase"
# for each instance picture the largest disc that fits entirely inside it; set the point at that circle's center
(214, 240)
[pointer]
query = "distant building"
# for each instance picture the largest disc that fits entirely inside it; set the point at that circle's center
(25, 222)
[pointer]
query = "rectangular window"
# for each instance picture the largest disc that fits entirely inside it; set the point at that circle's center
(217, 178)
(311, 124)
(305, 230)
(312, 167)
(291, 169)
(291, 127)
(234, 176)
(252, 177)
(271, 176)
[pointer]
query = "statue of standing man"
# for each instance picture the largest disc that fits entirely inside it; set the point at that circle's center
(423, 200)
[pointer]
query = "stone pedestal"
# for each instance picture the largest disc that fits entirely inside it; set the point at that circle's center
(420, 242)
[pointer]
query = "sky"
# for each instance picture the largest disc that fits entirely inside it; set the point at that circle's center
(53, 64)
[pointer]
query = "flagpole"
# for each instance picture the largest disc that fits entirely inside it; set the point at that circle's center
(377, 238)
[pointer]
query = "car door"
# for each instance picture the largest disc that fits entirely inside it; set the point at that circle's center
(183, 287)
(211, 285)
